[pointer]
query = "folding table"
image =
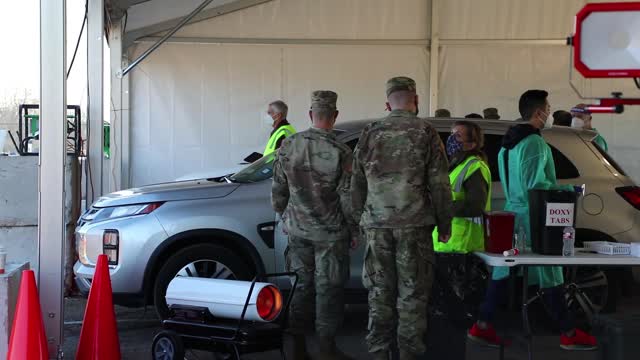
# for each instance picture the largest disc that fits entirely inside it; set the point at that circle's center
(524, 260)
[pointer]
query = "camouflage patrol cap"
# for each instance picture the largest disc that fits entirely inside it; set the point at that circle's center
(400, 83)
(491, 113)
(323, 99)
(442, 113)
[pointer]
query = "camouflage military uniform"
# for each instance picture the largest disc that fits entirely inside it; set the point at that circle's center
(311, 189)
(400, 190)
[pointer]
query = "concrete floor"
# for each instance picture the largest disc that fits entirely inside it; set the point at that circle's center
(137, 328)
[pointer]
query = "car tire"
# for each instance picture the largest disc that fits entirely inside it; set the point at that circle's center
(167, 345)
(599, 286)
(212, 261)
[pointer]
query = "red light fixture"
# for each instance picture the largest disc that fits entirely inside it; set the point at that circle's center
(269, 303)
(607, 40)
(631, 194)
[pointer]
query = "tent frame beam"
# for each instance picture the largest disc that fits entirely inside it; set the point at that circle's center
(164, 38)
(131, 36)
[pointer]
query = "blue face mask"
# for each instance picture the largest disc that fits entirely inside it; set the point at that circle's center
(453, 145)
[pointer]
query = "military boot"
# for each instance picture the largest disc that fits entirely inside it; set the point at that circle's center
(407, 355)
(329, 351)
(298, 345)
(380, 355)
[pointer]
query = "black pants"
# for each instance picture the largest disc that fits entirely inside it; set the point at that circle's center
(458, 287)
(553, 299)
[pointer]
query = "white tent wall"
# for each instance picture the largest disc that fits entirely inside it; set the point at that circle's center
(197, 105)
(321, 19)
(196, 108)
(476, 71)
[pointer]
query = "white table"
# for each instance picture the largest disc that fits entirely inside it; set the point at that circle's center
(582, 258)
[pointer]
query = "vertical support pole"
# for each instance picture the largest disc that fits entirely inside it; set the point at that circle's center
(51, 195)
(435, 58)
(115, 48)
(125, 82)
(95, 31)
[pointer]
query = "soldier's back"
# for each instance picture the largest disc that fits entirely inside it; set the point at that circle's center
(395, 153)
(314, 162)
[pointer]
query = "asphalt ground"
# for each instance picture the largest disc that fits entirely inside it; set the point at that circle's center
(138, 326)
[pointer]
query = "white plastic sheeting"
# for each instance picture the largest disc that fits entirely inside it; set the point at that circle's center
(324, 19)
(475, 77)
(200, 107)
(196, 107)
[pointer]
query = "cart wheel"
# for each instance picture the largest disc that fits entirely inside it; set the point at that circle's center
(167, 345)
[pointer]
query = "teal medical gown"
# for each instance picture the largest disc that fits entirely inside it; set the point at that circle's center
(531, 167)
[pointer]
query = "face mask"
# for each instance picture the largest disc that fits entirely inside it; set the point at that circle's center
(453, 145)
(576, 122)
(546, 120)
(268, 120)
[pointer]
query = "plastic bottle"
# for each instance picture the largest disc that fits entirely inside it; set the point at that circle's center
(521, 240)
(568, 241)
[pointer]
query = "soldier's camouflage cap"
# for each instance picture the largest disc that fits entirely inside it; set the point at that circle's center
(323, 99)
(400, 83)
(442, 113)
(491, 113)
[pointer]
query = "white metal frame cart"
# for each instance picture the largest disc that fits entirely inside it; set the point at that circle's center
(582, 258)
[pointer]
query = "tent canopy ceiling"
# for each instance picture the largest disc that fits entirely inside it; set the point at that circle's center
(147, 17)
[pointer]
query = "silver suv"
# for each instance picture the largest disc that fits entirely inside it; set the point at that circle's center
(224, 227)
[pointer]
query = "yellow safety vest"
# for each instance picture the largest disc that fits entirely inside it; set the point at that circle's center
(286, 130)
(467, 234)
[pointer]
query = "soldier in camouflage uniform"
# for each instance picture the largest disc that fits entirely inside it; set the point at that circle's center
(311, 178)
(400, 190)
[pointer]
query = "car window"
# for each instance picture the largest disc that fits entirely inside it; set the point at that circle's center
(608, 158)
(352, 144)
(261, 169)
(565, 169)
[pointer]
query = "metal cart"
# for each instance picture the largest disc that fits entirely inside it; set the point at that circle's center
(191, 327)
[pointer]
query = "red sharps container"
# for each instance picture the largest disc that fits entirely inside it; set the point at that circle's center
(498, 231)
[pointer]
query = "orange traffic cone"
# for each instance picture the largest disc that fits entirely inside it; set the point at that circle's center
(28, 340)
(99, 335)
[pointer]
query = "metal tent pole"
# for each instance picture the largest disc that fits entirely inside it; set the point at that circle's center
(153, 47)
(51, 195)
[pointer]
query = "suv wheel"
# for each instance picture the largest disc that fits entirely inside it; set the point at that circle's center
(203, 260)
(590, 291)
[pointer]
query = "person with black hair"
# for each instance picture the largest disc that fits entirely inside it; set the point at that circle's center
(525, 162)
(562, 118)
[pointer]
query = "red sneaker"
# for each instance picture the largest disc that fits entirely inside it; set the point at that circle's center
(486, 337)
(580, 341)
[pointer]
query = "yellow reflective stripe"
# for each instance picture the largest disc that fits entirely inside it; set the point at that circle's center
(474, 220)
(463, 174)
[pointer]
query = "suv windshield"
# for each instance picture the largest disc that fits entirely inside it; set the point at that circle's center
(260, 170)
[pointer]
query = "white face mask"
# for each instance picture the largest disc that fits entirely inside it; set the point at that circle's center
(576, 122)
(267, 119)
(548, 121)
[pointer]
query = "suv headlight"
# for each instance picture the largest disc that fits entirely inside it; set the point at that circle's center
(102, 214)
